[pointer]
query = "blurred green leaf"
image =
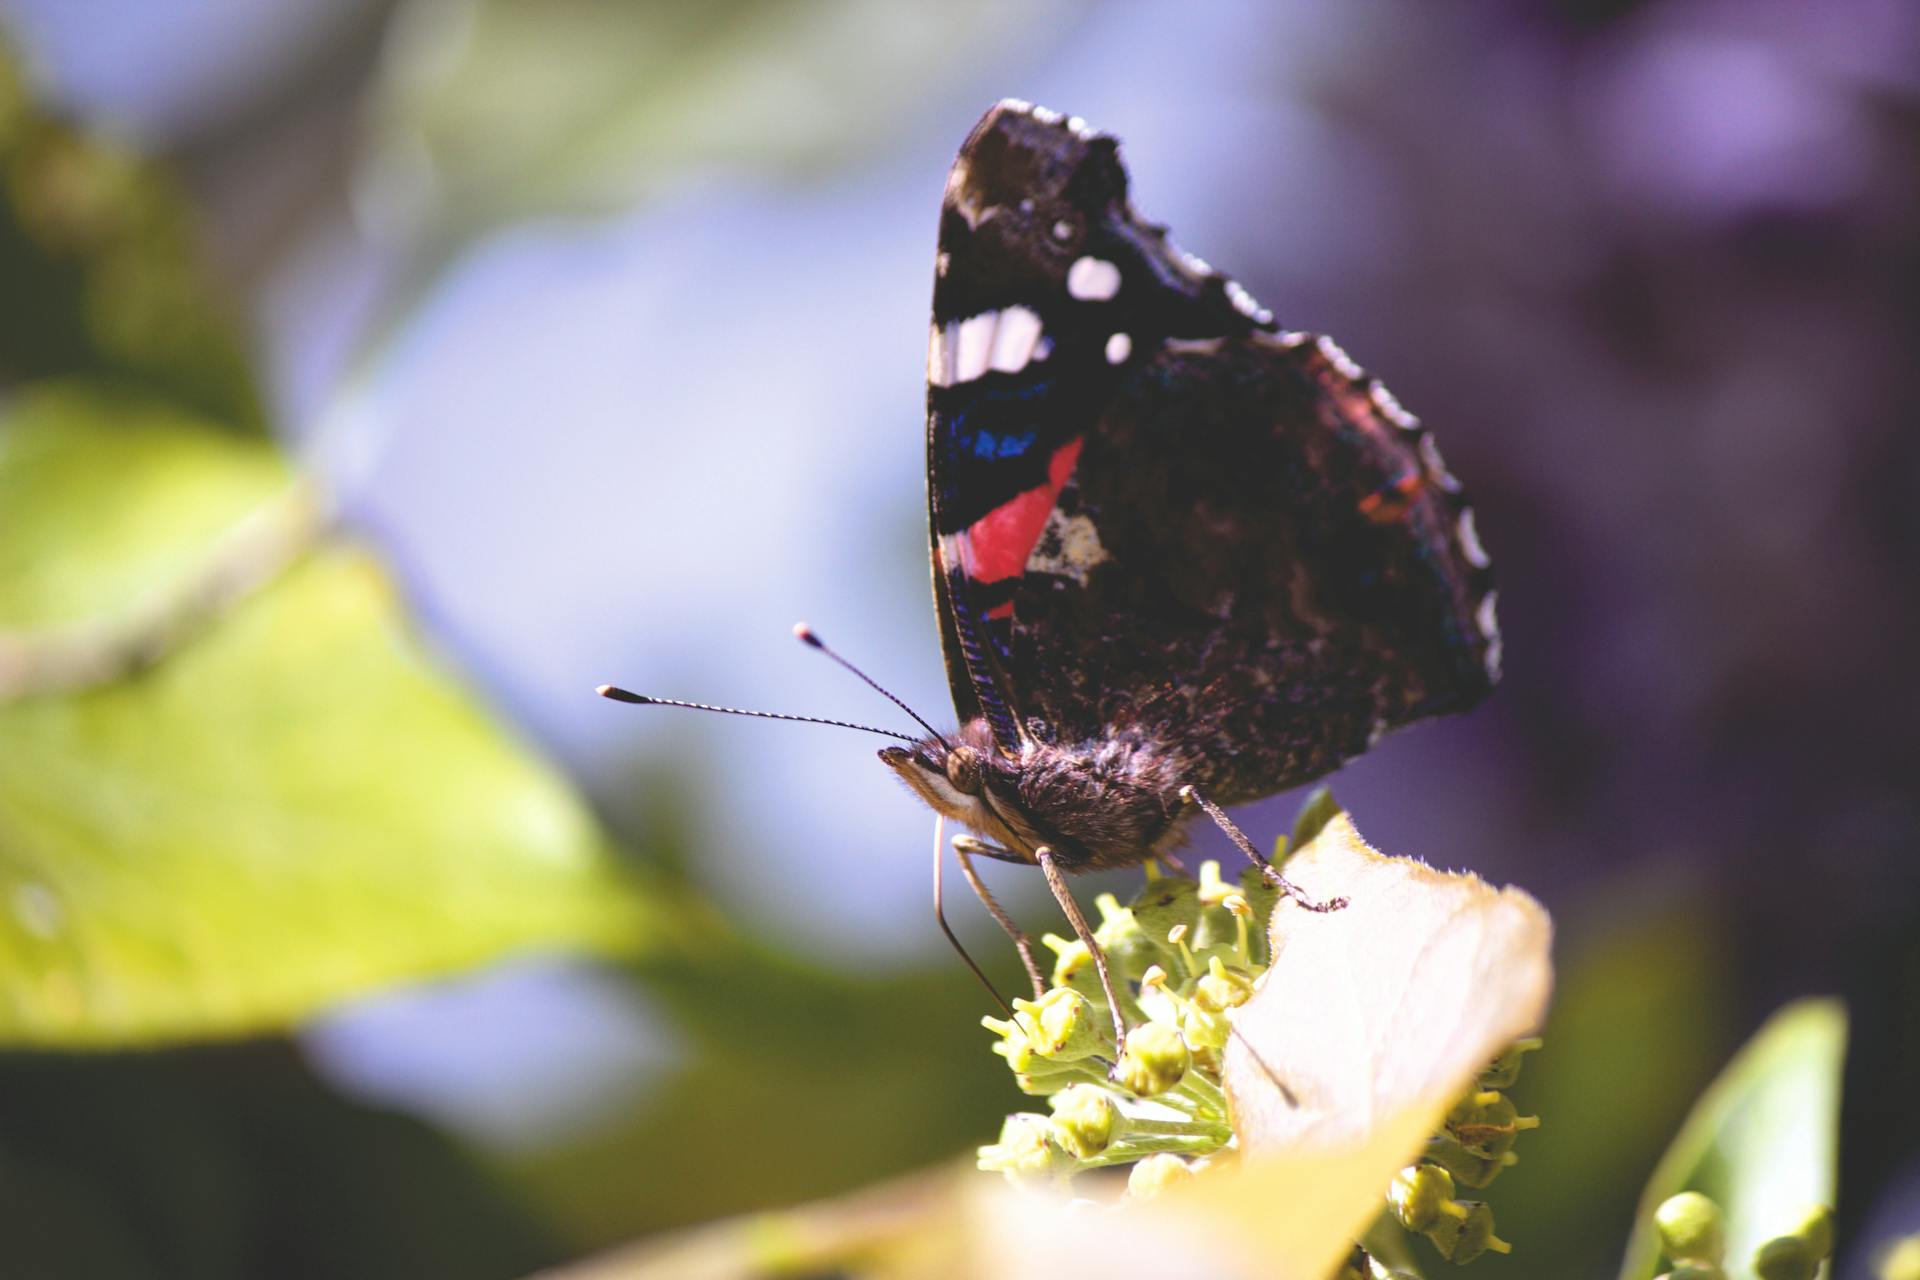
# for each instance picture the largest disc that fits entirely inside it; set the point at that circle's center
(1762, 1141)
(107, 500)
(228, 1161)
(495, 109)
(291, 805)
(825, 1081)
(102, 272)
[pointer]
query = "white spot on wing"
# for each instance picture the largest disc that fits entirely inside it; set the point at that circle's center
(1119, 347)
(1014, 340)
(1489, 624)
(1437, 465)
(1292, 338)
(1093, 279)
(955, 552)
(940, 356)
(974, 346)
(1470, 541)
(1246, 305)
(941, 262)
(1068, 547)
(1046, 115)
(1340, 360)
(1390, 408)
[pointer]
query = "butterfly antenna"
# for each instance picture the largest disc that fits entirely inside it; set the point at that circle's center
(805, 634)
(617, 694)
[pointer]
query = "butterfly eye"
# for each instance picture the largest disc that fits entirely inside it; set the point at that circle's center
(964, 770)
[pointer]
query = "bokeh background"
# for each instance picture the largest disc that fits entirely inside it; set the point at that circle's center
(599, 329)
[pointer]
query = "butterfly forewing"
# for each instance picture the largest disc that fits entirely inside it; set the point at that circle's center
(1153, 514)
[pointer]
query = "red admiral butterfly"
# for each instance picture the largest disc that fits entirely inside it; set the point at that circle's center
(1181, 558)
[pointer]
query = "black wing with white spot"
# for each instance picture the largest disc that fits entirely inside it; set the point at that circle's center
(1152, 513)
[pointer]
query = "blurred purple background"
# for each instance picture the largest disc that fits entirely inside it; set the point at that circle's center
(1651, 270)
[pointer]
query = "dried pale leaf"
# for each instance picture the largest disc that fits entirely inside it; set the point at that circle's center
(1388, 1007)
(1290, 1216)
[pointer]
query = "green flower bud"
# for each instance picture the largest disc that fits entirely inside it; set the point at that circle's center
(1026, 1151)
(1155, 1060)
(1128, 948)
(1691, 1227)
(1417, 1195)
(1469, 1168)
(1073, 966)
(1202, 1029)
(1505, 1069)
(1464, 1231)
(1083, 1118)
(1221, 988)
(1816, 1228)
(1486, 1122)
(1155, 1174)
(1693, 1271)
(1785, 1258)
(1063, 1025)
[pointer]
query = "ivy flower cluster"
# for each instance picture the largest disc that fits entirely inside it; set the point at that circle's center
(1183, 954)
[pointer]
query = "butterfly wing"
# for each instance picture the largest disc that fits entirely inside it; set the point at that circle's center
(1153, 514)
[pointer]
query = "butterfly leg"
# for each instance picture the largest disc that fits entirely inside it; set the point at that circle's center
(1058, 883)
(1267, 869)
(963, 848)
(981, 848)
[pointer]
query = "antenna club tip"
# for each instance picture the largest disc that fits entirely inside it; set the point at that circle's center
(804, 634)
(618, 694)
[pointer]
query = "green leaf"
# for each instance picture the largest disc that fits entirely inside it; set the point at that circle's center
(492, 109)
(1316, 811)
(277, 800)
(108, 501)
(1762, 1141)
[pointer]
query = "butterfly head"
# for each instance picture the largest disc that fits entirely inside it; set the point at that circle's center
(966, 779)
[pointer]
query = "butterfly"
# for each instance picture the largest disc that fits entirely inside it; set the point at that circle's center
(1182, 558)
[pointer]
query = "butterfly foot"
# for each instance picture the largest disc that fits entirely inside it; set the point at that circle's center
(1299, 895)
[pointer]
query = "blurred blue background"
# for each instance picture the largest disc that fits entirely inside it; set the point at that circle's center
(625, 392)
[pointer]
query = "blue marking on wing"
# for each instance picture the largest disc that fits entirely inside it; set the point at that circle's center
(988, 445)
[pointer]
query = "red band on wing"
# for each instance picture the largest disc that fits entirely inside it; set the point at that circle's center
(999, 542)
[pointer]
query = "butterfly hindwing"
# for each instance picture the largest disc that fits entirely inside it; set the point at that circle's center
(1152, 512)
